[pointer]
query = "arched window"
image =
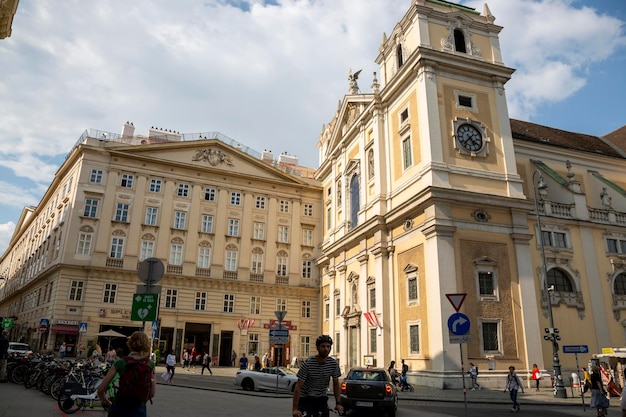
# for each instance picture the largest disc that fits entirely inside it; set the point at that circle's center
(399, 56)
(619, 285)
(354, 201)
(560, 280)
(459, 41)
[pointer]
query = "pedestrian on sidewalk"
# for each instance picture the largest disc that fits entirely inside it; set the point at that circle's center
(192, 359)
(598, 393)
(257, 363)
(4, 355)
(536, 376)
(170, 364)
(473, 373)
(206, 360)
(243, 362)
(233, 358)
(513, 384)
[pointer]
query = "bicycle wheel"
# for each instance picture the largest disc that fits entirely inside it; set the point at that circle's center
(68, 405)
(19, 374)
(55, 387)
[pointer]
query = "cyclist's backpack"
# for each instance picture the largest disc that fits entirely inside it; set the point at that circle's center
(136, 382)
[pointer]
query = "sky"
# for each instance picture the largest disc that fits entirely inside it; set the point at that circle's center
(268, 74)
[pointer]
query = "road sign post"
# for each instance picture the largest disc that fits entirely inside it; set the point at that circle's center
(458, 327)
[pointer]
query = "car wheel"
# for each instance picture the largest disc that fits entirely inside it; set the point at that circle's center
(247, 384)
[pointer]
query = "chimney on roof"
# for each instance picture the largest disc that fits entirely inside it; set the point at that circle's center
(128, 130)
(267, 156)
(287, 159)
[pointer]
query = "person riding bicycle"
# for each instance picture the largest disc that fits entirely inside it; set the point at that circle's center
(314, 375)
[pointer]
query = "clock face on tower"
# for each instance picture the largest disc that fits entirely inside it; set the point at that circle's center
(469, 137)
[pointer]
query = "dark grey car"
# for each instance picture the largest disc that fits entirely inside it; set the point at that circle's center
(369, 388)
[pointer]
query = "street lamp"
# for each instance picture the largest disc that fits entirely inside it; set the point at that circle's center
(552, 333)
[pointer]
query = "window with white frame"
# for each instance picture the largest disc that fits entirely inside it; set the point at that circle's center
(337, 344)
(414, 338)
(258, 231)
(121, 212)
(308, 209)
(147, 250)
(76, 290)
(108, 296)
(554, 239)
(615, 244)
(487, 284)
(407, 153)
(490, 334)
(329, 218)
(256, 266)
(412, 288)
(176, 254)
(284, 206)
(126, 180)
(84, 243)
(233, 227)
(619, 284)
(260, 202)
(282, 261)
(306, 309)
(155, 185)
(371, 296)
(307, 268)
(151, 216)
(171, 297)
(326, 310)
(373, 338)
(91, 207)
(255, 304)
(204, 257)
(235, 198)
(337, 306)
(179, 220)
(283, 234)
(281, 304)
(117, 247)
(307, 237)
(182, 190)
(230, 261)
(253, 344)
(229, 303)
(305, 347)
(96, 176)
(200, 301)
(210, 193)
(206, 224)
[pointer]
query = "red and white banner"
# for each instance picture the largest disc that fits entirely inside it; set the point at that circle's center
(372, 319)
(245, 324)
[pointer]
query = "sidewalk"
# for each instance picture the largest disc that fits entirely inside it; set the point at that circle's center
(223, 378)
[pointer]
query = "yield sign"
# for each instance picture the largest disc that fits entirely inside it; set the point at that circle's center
(456, 300)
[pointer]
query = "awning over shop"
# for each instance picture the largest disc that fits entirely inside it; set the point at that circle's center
(64, 329)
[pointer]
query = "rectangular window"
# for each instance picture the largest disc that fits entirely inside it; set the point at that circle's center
(229, 303)
(283, 234)
(371, 292)
(117, 247)
(490, 337)
(307, 268)
(155, 185)
(176, 254)
(230, 263)
(283, 206)
(127, 181)
(121, 212)
(84, 243)
(171, 296)
(308, 209)
(110, 290)
(76, 290)
(486, 283)
(257, 263)
(281, 265)
(96, 176)
(206, 225)
(147, 250)
(260, 203)
(611, 246)
(554, 239)
(200, 301)
(559, 240)
(465, 101)
(329, 218)
(91, 207)
(204, 257)
(404, 116)
(412, 288)
(183, 190)
(151, 216)
(255, 304)
(326, 310)
(373, 340)
(179, 220)
(209, 194)
(253, 344)
(235, 198)
(414, 338)
(337, 306)
(281, 304)
(305, 347)
(233, 227)
(307, 237)
(306, 309)
(258, 231)
(407, 155)
(337, 342)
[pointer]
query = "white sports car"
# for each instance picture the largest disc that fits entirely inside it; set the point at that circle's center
(266, 379)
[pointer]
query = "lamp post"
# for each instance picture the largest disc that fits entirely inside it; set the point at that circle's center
(551, 333)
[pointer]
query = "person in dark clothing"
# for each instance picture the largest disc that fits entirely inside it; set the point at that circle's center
(4, 355)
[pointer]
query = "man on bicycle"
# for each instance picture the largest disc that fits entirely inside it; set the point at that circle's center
(314, 376)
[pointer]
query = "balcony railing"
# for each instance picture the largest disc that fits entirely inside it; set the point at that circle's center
(203, 272)
(282, 280)
(115, 263)
(229, 275)
(175, 269)
(256, 277)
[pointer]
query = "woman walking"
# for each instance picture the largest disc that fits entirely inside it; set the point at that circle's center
(170, 363)
(536, 376)
(598, 393)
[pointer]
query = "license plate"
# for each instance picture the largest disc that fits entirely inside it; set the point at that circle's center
(364, 404)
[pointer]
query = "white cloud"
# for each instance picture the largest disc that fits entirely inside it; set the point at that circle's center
(6, 232)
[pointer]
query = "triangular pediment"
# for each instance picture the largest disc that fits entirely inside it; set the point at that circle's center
(352, 109)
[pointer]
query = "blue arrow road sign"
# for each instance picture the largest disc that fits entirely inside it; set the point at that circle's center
(459, 324)
(576, 349)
